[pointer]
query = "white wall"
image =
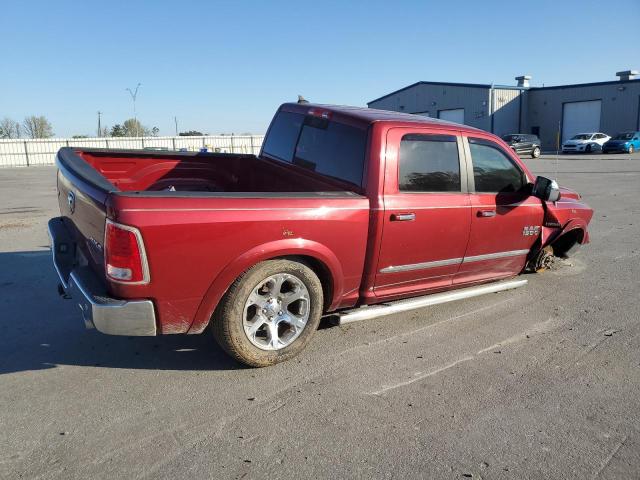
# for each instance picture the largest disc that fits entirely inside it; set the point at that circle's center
(23, 152)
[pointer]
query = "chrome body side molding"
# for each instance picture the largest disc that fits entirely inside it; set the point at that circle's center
(452, 261)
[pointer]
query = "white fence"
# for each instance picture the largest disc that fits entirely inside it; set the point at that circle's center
(24, 153)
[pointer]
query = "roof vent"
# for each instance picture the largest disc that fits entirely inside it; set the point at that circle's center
(523, 80)
(627, 75)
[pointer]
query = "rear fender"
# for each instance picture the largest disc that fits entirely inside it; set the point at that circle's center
(267, 251)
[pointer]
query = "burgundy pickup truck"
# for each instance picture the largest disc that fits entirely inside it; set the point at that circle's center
(344, 208)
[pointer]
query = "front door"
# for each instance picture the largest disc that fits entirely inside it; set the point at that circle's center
(427, 211)
(505, 219)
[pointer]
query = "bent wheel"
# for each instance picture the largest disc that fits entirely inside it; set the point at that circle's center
(544, 259)
(269, 313)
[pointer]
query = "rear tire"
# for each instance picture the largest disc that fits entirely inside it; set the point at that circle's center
(535, 153)
(256, 324)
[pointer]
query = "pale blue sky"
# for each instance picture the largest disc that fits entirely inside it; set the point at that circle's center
(226, 66)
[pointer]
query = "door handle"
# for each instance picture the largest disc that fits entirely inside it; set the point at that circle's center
(486, 213)
(403, 217)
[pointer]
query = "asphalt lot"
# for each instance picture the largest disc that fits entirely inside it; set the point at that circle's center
(539, 382)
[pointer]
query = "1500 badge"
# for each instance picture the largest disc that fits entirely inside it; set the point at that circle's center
(530, 230)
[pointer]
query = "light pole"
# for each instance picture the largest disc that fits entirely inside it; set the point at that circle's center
(99, 126)
(134, 95)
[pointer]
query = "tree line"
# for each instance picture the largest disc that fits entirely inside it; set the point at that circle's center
(31, 127)
(35, 126)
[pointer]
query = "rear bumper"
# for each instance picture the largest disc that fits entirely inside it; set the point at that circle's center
(107, 315)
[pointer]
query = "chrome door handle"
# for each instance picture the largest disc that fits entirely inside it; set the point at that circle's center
(486, 213)
(403, 217)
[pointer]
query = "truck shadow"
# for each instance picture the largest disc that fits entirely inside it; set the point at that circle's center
(40, 330)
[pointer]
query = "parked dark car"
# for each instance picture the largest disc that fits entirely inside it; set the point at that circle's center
(523, 144)
(627, 142)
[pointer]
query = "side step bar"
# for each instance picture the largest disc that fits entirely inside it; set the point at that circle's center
(375, 311)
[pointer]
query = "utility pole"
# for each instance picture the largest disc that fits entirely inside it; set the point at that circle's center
(175, 119)
(99, 126)
(134, 95)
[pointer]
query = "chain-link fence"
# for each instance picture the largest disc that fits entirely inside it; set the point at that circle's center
(24, 153)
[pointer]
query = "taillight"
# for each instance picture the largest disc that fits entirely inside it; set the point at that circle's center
(125, 260)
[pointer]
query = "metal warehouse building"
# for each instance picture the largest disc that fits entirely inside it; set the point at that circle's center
(608, 107)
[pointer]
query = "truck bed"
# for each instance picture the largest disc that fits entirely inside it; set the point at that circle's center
(153, 171)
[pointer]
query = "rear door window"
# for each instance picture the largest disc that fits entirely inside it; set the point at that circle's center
(493, 170)
(429, 163)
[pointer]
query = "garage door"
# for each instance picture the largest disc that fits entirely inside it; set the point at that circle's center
(455, 115)
(579, 117)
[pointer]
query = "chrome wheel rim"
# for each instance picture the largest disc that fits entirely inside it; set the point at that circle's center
(276, 311)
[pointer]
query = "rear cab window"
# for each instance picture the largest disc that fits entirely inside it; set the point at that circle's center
(321, 145)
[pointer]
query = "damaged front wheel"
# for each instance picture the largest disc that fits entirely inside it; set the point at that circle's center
(542, 261)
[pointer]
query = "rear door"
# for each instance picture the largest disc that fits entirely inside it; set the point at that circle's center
(505, 219)
(426, 218)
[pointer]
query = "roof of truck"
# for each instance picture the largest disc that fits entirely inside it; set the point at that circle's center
(371, 115)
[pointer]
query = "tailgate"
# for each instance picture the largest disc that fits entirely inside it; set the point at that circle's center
(83, 211)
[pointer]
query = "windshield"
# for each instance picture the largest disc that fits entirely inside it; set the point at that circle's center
(582, 136)
(510, 138)
(624, 136)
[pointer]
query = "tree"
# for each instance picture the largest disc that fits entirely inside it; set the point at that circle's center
(9, 128)
(133, 128)
(37, 127)
(118, 131)
(190, 133)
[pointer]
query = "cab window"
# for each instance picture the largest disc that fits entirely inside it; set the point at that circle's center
(493, 170)
(429, 163)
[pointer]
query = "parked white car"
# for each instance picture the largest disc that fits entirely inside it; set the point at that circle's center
(585, 142)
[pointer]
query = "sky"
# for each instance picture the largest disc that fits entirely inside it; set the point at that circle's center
(224, 67)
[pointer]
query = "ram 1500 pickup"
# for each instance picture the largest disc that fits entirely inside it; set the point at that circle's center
(344, 208)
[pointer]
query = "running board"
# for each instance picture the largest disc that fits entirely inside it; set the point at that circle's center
(375, 311)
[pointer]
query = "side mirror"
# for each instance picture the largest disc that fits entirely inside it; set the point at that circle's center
(546, 189)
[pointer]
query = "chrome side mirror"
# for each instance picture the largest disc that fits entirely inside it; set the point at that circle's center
(546, 189)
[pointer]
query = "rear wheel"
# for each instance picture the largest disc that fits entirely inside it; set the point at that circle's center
(535, 153)
(269, 313)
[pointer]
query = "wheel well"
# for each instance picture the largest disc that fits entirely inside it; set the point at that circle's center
(566, 242)
(321, 270)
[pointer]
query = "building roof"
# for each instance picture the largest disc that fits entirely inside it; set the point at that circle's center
(450, 84)
(511, 87)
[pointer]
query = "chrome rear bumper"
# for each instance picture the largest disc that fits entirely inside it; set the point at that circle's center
(107, 315)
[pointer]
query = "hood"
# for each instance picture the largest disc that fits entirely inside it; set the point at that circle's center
(576, 142)
(617, 142)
